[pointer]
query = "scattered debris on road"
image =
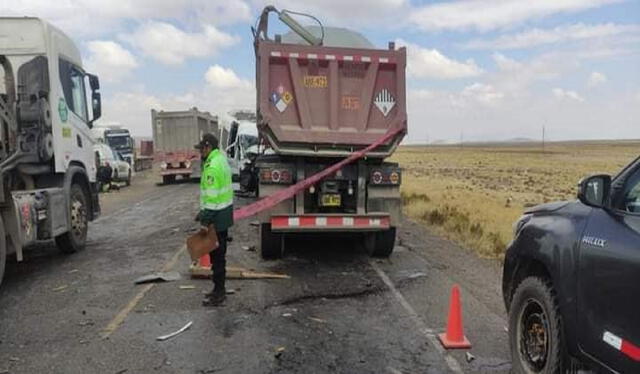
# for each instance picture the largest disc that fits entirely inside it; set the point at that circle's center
(169, 336)
(287, 315)
(319, 320)
(158, 277)
(469, 356)
(279, 352)
(249, 248)
(73, 271)
(60, 288)
(235, 273)
(187, 287)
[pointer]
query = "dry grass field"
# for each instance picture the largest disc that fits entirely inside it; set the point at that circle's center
(473, 194)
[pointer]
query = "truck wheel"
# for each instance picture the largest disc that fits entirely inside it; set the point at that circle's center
(128, 181)
(271, 247)
(535, 329)
(381, 243)
(75, 239)
(168, 179)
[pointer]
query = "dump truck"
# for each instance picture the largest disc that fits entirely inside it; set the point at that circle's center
(48, 104)
(322, 94)
(119, 139)
(174, 136)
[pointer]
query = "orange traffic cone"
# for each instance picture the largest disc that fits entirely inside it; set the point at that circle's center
(201, 269)
(454, 337)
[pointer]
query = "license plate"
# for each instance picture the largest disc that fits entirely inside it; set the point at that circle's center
(331, 200)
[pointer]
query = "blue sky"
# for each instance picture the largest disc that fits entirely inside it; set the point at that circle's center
(491, 69)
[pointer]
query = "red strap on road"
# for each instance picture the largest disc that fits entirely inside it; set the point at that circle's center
(282, 195)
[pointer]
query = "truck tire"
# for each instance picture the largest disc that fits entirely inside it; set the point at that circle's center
(271, 247)
(75, 239)
(380, 243)
(535, 329)
(168, 179)
(128, 182)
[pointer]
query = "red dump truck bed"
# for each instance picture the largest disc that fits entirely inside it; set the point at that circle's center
(329, 101)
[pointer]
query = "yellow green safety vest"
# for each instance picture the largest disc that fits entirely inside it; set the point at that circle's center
(216, 192)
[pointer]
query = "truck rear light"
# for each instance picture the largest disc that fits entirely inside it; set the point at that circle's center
(385, 177)
(276, 176)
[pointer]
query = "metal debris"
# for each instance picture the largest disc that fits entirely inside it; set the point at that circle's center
(279, 352)
(187, 287)
(469, 356)
(60, 288)
(158, 277)
(169, 336)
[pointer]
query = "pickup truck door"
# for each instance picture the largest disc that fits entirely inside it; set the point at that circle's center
(609, 282)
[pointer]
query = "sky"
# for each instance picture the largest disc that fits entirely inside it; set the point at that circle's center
(477, 69)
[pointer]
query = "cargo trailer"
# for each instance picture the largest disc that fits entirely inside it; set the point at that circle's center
(174, 136)
(323, 93)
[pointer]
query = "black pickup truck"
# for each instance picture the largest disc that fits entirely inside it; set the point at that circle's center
(571, 280)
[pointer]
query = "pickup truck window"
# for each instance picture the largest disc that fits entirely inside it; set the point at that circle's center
(631, 199)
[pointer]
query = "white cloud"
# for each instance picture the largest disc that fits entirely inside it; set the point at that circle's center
(220, 77)
(483, 93)
(430, 63)
(493, 14)
(565, 33)
(596, 78)
(109, 60)
(172, 46)
(97, 17)
(566, 94)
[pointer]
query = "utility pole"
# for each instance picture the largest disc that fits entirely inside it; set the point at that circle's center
(543, 130)
(461, 139)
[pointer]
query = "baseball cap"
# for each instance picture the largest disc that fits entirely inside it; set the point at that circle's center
(208, 139)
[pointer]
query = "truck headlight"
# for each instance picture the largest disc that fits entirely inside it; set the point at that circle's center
(519, 224)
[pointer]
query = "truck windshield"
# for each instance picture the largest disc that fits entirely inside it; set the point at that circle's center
(247, 141)
(119, 142)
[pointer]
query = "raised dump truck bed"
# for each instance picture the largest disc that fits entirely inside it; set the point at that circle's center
(329, 101)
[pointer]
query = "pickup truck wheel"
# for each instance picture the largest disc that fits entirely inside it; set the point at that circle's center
(271, 247)
(535, 329)
(128, 181)
(75, 239)
(380, 243)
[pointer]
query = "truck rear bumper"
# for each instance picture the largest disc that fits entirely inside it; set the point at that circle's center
(330, 222)
(183, 171)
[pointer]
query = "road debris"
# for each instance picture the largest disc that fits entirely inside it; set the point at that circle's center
(230, 291)
(169, 336)
(279, 352)
(73, 271)
(158, 277)
(60, 288)
(417, 274)
(187, 287)
(319, 320)
(469, 356)
(255, 223)
(235, 273)
(287, 315)
(249, 248)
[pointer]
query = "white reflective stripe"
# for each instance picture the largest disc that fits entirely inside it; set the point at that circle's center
(347, 221)
(215, 192)
(321, 221)
(383, 60)
(330, 57)
(294, 55)
(294, 221)
(215, 206)
(276, 54)
(374, 222)
(612, 340)
(348, 58)
(312, 55)
(365, 59)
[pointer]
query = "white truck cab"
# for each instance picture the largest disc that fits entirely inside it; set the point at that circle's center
(239, 139)
(47, 165)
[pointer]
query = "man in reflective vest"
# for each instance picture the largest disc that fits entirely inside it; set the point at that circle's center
(216, 207)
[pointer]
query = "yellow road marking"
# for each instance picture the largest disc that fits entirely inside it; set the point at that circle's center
(124, 312)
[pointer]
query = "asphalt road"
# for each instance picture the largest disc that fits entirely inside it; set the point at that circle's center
(341, 312)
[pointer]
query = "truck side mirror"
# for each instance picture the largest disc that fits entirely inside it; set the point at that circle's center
(96, 105)
(94, 82)
(594, 190)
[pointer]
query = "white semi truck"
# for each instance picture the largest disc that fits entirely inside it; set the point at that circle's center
(47, 165)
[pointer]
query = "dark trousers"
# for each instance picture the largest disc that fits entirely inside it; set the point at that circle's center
(219, 262)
